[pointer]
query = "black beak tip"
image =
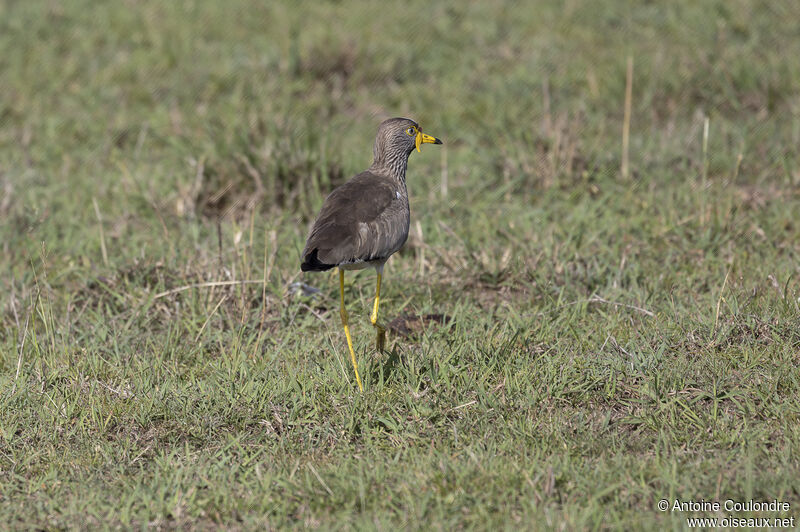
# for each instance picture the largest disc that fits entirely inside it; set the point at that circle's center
(438, 141)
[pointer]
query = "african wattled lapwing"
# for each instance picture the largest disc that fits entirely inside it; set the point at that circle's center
(363, 222)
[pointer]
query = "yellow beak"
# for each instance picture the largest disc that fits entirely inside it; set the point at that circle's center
(422, 138)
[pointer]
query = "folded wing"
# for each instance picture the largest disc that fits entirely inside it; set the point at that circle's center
(366, 219)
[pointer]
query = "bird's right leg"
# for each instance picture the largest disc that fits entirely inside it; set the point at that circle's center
(380, 335)
(343, 313)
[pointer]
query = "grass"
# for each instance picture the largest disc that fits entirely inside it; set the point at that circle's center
(571, 345)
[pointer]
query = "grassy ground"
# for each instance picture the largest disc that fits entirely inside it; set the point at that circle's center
(571, 345)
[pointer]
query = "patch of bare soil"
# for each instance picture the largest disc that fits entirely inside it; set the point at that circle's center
(410, 326)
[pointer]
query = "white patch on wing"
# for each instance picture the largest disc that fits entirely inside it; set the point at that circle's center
(363, 234)
(397, 193)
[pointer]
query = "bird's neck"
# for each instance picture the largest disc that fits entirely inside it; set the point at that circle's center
(393, 166)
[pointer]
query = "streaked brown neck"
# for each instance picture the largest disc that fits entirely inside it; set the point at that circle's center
(389, 160)
(394, 168)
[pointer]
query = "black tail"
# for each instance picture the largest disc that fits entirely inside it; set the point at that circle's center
(312, 264)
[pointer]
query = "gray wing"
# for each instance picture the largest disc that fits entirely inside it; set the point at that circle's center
(365, 219)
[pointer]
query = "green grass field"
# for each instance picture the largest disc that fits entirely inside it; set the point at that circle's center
(570, 344)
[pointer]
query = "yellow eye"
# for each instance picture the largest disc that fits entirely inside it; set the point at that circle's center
(411, 131)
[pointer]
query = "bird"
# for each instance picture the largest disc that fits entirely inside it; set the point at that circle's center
(366, 220)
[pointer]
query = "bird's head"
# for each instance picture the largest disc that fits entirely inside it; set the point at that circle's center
(398, 137)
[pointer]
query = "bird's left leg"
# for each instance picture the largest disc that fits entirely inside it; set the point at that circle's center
(380, 337)
(346, 324)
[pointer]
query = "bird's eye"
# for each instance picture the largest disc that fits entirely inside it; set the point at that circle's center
(411, 131)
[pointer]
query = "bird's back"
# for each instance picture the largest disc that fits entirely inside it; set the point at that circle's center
(364, 220)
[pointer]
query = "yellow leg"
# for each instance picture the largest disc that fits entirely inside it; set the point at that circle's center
(374, 317)
(380, 336)
(343, 313)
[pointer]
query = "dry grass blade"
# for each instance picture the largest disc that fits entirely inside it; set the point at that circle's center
(102, 233)
(598, 299)
(719, 304)
(208, 318)
(209, 284)
(626, 121)
(22, 343)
